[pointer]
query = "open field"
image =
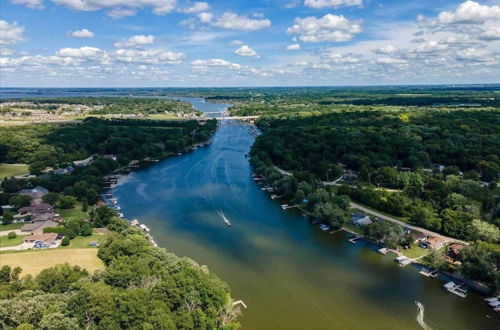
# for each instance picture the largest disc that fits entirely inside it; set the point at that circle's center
(33, 262)
(8, 170)
(12, 226)
(74, 213)
(81, 242)
(415, 252)
(5, 241)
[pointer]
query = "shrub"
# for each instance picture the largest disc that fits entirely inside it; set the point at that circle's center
(65, 241)
(11, 235)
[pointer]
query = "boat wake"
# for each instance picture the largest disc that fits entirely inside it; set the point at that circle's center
(226, 220)
(420, 316)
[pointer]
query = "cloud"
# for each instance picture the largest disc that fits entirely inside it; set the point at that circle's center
(329, 28)
(83, 33)
(389, 49)
(332, 3)
(491, 33)
(233, 21)
(469, 12)
(205, 17)
(391, 61)
(197, 7)
(151, 56)
(135, 41)
(203, 65)
(10, 33)
(83, 52)
(118, 13)
(245, 50)
(293, 47)
(236, 43)
(32, 4)
(474, 54)
(119, 8)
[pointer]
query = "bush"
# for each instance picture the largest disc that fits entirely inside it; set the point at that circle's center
(65, 241)
(11, 235)
(66, 202)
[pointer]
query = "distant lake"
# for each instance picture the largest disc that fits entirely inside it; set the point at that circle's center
(290, 274)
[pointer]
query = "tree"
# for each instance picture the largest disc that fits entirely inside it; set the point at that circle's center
(11, 235)
(65, 241)
(5, 274)
(37, 168)
(481, 230)
(425, 216)
(85, 205)
(19, 201)
(51, 198)
(102, 216)
(8, 217)
(58, 279)
(10, 185)
(66, 202)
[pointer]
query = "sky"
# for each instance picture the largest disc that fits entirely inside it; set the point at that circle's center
(181, 43)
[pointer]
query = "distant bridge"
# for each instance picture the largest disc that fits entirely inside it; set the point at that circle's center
(248, 118)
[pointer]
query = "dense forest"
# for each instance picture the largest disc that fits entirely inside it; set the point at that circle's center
(104, 105)
(56, 146)
(142, 287)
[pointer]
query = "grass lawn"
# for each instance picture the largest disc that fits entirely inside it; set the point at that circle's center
(414, 252)
(8, 170)
(81, 242)
(4, 241)
(74, 213)
(32, 262)
(11, 226)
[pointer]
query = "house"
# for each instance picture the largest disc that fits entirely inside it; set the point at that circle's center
(435, 242)
(359, 219)
(418, 237)
(43, 217)
(84, 162)
(107, 156)
(454, 250)
(36, 193)
(37, 227)
(36, 209)
(64, 171)
(49, 238)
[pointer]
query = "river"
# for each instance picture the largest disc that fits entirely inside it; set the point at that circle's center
(290, 274)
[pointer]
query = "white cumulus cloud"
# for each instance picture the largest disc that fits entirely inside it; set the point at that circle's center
(83, 33)
(233, 21)
(116, 7)
(332, 3)
(197, 7)
(329, 28)
(469, 12)
(33, 4)
(10, 33)
(245, 50)
(135, 41)
(293, 47)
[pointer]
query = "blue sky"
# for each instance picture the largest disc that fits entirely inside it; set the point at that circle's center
(94, 43)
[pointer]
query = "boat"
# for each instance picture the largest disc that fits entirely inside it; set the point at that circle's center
(324, 227)
(226, 220)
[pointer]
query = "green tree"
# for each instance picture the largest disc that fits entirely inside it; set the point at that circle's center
(51, 198)
(60, 278)
(66, 202)
(8, 217)
(19, 201)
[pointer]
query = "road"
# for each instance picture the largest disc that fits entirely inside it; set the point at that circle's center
(402, 223)
(385, 217)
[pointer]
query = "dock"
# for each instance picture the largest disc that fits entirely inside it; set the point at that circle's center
(455, 289)
(355, 238)
(432, 273)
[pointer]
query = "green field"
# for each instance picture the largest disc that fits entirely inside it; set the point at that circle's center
(33, 262)
(4, 241)
(11, 226)
(415, 252)
(74, 213)
(81, 242)
(8, 170)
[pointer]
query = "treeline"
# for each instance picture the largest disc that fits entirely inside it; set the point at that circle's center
(56, 146)
(112, 105)
(396, 150)
(364, 140)
(141, 287)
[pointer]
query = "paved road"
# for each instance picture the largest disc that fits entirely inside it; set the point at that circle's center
(399, 222)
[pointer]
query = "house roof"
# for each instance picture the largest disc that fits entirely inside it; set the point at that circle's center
(37, 189)
(46, 238)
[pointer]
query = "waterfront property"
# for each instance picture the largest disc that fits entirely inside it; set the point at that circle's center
(359, 220)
